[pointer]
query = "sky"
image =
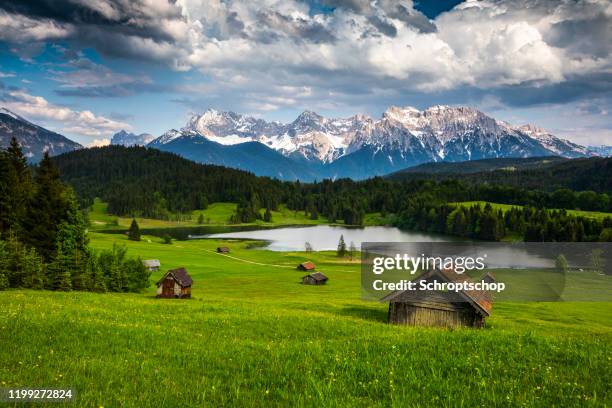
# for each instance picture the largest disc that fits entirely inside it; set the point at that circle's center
(89, 68)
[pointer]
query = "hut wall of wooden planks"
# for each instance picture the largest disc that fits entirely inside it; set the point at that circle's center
(440, 309)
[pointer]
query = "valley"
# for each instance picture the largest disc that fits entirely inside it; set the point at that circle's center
(253, 335)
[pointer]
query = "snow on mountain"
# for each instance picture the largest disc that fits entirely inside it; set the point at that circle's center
(602, 150)
(168, 137)
(125, 138)
(402, 137)
(556, 145)
(34, 140)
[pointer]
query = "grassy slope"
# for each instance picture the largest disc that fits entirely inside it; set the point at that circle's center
(506, 207)
(215, 214)
(254, 336)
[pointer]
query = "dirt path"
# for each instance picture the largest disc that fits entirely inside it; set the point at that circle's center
(260, 263)
(247, 261)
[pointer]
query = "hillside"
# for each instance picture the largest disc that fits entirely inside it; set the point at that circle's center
(34, 140)
(149, 182)
(546, 174)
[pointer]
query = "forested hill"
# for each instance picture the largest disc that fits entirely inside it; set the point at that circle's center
(550, 174)
(138, 180)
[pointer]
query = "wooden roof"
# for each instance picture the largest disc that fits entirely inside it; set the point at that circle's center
(480, 299)
(318, 276)
(307, 265)
(180, 275)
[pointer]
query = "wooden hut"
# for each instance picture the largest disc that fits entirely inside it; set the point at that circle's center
(152, 265)
(436, 308)
(176, 283)
(306, 266)
(316, 278)
(223, 250)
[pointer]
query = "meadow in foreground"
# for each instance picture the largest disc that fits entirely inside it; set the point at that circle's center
(253, 336)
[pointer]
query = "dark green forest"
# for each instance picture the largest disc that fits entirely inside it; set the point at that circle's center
(544, 174)
(146, 182)
(43, 235)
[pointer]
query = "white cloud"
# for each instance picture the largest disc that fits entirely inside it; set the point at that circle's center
(64, 119)
(99, 143)
(481, 44)
(6, 75)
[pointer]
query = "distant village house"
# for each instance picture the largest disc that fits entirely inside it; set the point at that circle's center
(316, 278)
(306, 266)
(176, 283)
(442, 309)
(152, 265)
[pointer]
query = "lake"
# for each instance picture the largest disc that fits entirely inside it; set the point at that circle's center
(325, 237)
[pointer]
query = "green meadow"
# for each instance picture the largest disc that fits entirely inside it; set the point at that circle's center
(505, 207)
(252, 335)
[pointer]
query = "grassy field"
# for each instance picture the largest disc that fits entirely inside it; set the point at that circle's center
(253, 336)
(215, 214)
(506, 207)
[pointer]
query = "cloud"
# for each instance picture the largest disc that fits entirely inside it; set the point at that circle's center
(6, 75)
(350, 54)
(62, 118)
(99, 143)
(81, 77)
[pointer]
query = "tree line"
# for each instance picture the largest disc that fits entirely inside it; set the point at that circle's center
(485, 223)
(137, 181)
(43, 234)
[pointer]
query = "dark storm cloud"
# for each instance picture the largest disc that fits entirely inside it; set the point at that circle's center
(573, 89)
(586, 36)
(128, 17)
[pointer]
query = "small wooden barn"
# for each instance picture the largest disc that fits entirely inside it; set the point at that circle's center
(442, 309)
(223, 250)
(306, 266)
(316, 278)
(176, 283)
(152, 265)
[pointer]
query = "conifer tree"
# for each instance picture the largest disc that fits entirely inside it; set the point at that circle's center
(46, 211)
(58, 271)
(268, 215)
(341, 251)
(134, 231)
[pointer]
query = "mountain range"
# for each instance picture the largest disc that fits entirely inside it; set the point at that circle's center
(125, 138)
(34, 140)
(358, 147)
(315, 147)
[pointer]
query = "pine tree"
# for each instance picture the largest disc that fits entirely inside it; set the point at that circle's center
(4, 265)
(268, 215)
(47, 209)
(134, 231)
(58, 271)
(4, 282)
(15, 188)
(341, 252)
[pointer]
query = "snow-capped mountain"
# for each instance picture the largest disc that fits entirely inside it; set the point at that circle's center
(34, 140)
(361, 147)
(125, 138)
(602, 150)
(560, 147)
